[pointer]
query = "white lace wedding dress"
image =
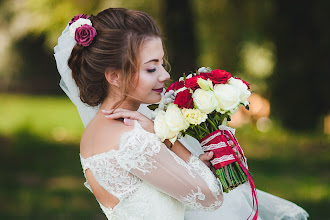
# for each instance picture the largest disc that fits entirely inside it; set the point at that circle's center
(151, 181)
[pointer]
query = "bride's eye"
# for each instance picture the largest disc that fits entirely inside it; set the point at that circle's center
(151, 70)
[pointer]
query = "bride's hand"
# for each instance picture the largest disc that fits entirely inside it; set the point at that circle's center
(206, 157)
(129, 116)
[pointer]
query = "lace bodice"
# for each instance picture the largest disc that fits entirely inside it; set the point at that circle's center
(143, 163)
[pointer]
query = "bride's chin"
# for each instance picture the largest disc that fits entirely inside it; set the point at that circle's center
(159, 98)
(154, 100)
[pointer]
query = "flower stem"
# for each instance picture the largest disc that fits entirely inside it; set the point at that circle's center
(212, 124)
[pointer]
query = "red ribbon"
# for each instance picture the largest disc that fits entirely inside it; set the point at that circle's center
(219, 145)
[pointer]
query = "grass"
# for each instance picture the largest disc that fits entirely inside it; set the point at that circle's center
(41, 176)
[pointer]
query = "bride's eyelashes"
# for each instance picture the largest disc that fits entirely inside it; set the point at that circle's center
(154, 69)
(151, 70)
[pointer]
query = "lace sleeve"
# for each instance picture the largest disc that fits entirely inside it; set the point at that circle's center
(192, 183)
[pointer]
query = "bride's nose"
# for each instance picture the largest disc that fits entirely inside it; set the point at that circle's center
(164, 76)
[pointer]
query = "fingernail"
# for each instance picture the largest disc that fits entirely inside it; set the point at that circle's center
(210, 153)
(107, 116)
(127, 121)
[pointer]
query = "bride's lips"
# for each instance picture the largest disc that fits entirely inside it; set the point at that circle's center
(160, 90)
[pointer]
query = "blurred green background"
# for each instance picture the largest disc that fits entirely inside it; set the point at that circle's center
(281, 48)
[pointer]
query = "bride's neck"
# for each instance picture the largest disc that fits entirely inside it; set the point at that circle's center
(128, 104)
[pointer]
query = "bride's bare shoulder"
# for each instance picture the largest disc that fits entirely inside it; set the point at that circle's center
(101, 135)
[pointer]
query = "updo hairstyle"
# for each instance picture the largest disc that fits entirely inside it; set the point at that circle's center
(120, 35)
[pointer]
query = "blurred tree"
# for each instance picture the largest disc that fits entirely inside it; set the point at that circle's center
(27, 37)
(36, 70)
(300, 85)
(178, 19)
(231, 36)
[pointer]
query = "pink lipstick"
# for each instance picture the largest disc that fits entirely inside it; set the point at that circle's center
(159, 90)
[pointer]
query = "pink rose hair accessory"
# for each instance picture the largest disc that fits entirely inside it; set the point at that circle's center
(81, 30)
(84, 35)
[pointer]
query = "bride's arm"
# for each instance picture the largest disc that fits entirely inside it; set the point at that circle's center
(180, 150)
(188, 179)
(191, 181)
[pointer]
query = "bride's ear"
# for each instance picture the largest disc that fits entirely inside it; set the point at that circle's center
(113, 77)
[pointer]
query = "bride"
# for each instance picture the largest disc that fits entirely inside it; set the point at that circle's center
(117, 62)
(114, 60)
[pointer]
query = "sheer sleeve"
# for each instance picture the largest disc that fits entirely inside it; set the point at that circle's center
(192, 182)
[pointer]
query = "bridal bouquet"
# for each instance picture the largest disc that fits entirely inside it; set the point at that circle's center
(200, 105)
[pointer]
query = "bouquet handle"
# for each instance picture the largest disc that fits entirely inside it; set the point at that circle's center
(253, 188)
(224, 157)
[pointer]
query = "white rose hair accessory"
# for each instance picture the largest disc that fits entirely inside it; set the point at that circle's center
(81, 30)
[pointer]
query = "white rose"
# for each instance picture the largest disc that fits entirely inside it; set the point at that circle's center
(228, 97)
(194, 116)
(245, 93)
(205, 101)
(174, 118)
(161, 128)
(78, 23)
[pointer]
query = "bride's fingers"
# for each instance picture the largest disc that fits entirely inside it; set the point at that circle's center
(128, 121)
(127, 115)
(206, 157)
(237, 153)
(231, 143)
(107, 112)
(111, 111)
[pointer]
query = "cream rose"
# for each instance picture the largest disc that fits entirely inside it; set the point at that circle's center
(228, 97)
(194, 116)
(244, 92)
(80, 22)
(205, 84)
(161, 128)
(205, 101)
(174, 118)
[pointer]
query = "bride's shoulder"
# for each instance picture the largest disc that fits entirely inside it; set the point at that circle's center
(102, 135)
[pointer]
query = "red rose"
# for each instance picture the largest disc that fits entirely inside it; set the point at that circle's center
(75, 18)
(184, 99)
(175, 86)
(192, 82)
(84, 35)
(218, 76)
(247, 84)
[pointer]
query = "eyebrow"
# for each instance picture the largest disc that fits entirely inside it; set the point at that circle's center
(154, 60)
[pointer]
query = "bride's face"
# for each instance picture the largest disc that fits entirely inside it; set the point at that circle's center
(152, 75)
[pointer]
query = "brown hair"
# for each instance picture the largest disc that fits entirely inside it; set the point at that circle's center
(120, 34)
